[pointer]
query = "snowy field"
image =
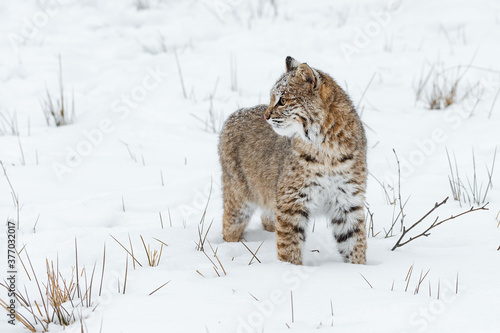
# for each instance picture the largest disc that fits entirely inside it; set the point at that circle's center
(151, 83)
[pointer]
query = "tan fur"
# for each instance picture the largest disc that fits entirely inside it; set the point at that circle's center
(308, 158)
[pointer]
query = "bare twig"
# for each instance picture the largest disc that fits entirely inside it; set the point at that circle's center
(426, 233)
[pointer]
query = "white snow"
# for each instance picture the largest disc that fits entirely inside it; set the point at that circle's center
(135, 129)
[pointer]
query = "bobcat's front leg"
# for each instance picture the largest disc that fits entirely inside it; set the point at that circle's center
(350, 231)
(290, 232)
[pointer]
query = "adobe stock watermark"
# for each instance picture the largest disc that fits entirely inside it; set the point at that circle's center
(291, 280)
(11, 280)
(121, 108)
(363, 36)
(454, 118)
(421, 319)
(201, 200)
(220, 8)
(31, 25)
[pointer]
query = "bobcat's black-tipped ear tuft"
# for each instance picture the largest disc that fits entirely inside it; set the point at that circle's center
(291, 64)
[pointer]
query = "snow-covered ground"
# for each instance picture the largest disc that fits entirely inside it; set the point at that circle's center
(143, 145)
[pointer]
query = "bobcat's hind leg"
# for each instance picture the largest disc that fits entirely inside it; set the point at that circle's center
(268, 221)
(235, 219)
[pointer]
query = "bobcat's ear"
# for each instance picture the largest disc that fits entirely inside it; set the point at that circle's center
(291, 64)
(308, 74)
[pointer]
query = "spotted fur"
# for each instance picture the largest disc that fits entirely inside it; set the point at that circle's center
(302, 155)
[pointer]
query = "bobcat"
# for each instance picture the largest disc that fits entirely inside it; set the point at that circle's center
(302, 155)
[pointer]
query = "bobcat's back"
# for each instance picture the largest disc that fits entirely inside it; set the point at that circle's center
(252, 155)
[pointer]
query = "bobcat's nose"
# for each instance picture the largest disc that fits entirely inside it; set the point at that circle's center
(267, 115)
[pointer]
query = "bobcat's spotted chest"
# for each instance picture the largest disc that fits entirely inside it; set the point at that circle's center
(328, 194)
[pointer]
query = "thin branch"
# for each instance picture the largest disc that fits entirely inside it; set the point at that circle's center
(426, 233)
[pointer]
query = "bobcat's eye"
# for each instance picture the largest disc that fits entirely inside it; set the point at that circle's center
(282, 101)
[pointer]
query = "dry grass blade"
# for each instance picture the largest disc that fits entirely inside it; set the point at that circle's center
(213, 264)
(8, 123)
(38, 286)
(103, 265)
(408, 277)
(156, 239)
(365, 90)
(201, 225)
(131, 249)
(76, 263)
(366, 280)
(127, 251)
(169, 217)
(15, 196)
(58, 294)
(161, 220)
(153, 256)
(180, 74)
(255, 298)
(54, 295)
(331, 308)
(420, 280)
(22, 263)
(474, 193)
(57, 110)
(494, 102)
(217, 257)
(163, 285)
(253, 254)
(126, 273)
(147, 252)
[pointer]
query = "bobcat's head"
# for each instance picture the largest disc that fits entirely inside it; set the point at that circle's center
(296, 108)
